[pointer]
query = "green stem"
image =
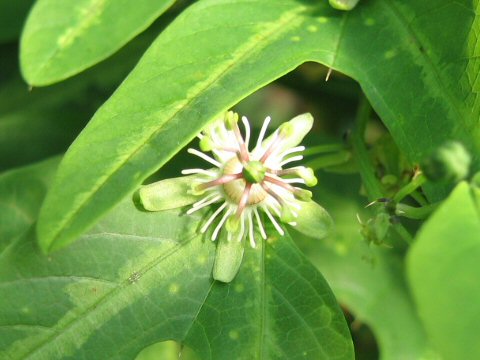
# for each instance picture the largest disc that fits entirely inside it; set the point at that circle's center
(413, 185)
(417, 213)
(322, 149)
(419, 198)
(406, 236)
(324, 161)
(367, 171)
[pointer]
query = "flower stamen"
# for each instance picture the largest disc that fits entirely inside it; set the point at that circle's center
(225, 179)
(244, 199)
(214, 215)
(205, 157)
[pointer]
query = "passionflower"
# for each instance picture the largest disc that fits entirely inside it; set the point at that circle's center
(245, 187)
(246, 182)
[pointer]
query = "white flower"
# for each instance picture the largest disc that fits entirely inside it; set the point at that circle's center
(246, 182)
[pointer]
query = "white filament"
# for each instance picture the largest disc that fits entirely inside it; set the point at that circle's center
(205, 157)
(215, 214)
(274, 222)
(260, 225)
(247, 131)
(263, 130)
(220, 224)
(292, 159)
(204, 202)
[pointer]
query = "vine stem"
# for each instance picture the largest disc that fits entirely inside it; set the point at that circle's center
(372, 184)
(413, 185)
(338, 158)
(324, 148)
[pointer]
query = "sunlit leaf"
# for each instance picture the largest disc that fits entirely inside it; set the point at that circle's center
(443, 273)
(141, 277)
(62, 38)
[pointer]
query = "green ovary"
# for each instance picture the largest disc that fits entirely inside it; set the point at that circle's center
(234, 189)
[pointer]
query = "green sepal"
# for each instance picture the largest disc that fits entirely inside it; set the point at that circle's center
(167, 194)
(232, 224)
(287, 214)
(228, 258)
(343, 4)
(314, 221)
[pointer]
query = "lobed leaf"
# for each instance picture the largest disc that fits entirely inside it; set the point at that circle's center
(443, 273)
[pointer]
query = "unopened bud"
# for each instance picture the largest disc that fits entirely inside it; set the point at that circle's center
(449, 163)
(343, 4)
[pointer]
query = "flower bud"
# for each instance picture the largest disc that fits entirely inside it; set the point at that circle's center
(343, 4)
(228, 258)
(449, 163)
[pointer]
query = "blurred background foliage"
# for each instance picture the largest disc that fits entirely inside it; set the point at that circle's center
(364, 267)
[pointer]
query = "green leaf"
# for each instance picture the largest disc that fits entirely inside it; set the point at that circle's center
(286, 311)
(194, 71)
(443, 274)
(60, 38)
(149, 275)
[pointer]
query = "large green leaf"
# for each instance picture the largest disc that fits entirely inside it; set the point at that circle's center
(138, 277)
(218, 52)
(62, 38)
(443, 272)
(287, 311)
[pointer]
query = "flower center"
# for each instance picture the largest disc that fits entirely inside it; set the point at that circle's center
(253, 173)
